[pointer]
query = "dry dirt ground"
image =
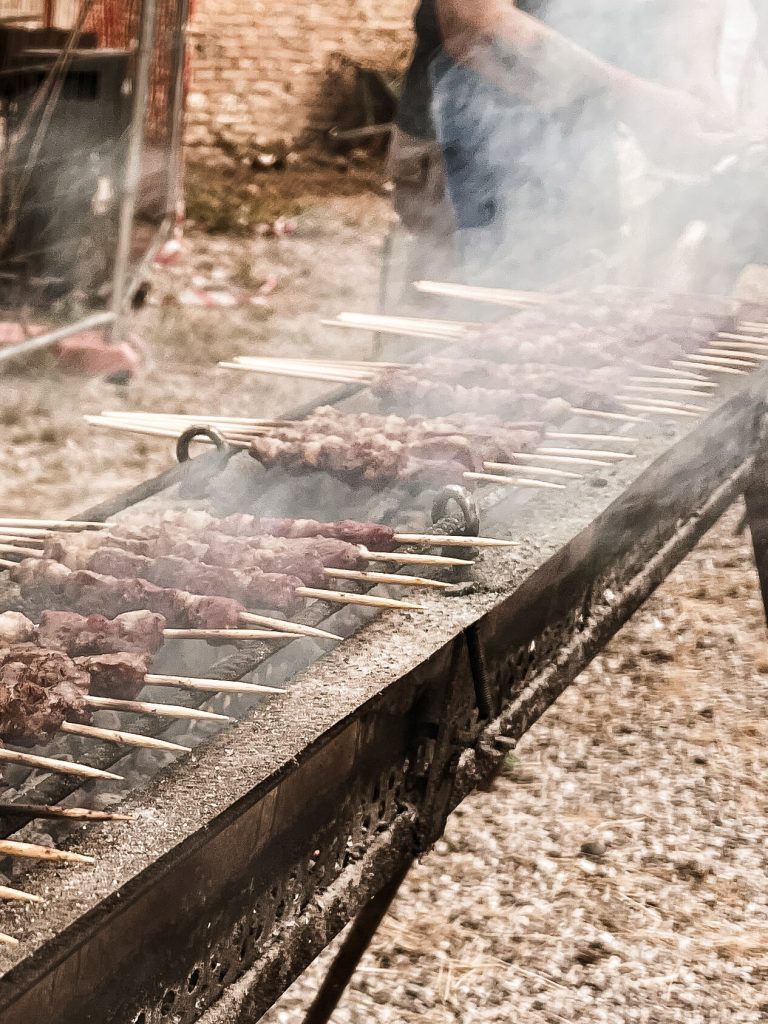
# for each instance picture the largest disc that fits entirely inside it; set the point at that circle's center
(618, 871)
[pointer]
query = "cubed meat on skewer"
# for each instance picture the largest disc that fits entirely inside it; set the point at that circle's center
(252, 587)
(132, 632)
(16, 628)
(39, 690)
(90, 593)
(119, 675)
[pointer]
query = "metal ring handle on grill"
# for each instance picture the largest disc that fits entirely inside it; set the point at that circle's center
(195, 431)
(466, 503)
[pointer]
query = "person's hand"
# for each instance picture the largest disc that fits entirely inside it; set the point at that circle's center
(677, 130)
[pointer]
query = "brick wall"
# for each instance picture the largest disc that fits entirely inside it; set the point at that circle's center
(262, 71)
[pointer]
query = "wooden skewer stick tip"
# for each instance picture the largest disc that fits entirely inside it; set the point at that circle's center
(453, 541)
(386, 578)
(143, 707)
(55, 811)
(365, 600)
(11, 848)
(295, 627)
(55, 765)
(517, 481)
(211, 685)
(7, 893)
(126, 739)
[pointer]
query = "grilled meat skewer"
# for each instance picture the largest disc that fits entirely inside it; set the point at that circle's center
(132, 632)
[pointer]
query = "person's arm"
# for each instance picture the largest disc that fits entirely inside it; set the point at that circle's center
(559, 64)
(695, 66)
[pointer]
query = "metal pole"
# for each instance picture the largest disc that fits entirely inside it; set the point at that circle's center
(174, 189)
(133, 157)
(361, 931)
(177, 105)
(51, 337)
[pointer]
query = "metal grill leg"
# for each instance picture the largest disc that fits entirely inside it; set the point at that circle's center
(756, 497)
(361, 933)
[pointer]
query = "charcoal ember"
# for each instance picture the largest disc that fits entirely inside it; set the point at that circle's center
(137, 631)
(120, 676)
(16, 628)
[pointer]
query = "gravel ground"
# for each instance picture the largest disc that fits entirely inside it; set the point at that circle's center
(52, 462)
(618, 869)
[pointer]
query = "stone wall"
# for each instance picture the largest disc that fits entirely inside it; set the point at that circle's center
(271, 70)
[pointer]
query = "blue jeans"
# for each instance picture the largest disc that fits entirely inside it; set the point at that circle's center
(535, 192)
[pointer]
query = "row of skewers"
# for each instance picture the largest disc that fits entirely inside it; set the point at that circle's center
(614, 363)
(55, 673)
(111, 598)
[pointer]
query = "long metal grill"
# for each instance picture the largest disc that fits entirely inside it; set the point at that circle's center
(252, 855)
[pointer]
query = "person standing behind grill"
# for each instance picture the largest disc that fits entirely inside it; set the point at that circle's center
(416, 169)
(526, 103)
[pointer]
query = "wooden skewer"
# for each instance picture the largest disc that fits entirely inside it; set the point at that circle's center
(304, 374)
(143, 707)
(11, 848)
(212, 685)
(665, 403)
(56, 524)
(494, 296)
(649, 409)
(397, 329)
(21, 541)
(586, 452)
(407, 558)
(699, 357)
(748, 356)
(694, 382)
(68, 813)
(126, 739)
(7, 563)
(759, 337)
(564, 474)
(54, 764)
(136, 428)
(457, 326)
(321, 366)
(701, 364)
(25, 531)
(613, 438)
(15, 549)
(173, 427)
(518, 481)
(510, 481)
(8, 940)
(754, 325)
(395, 579)
(451, 540)
(523, 457)
(641, 389)
(235, 634)
(676, 370)
(366, 600)
(246, 421)
(7, 893)
(279, 624)
(598, 414)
